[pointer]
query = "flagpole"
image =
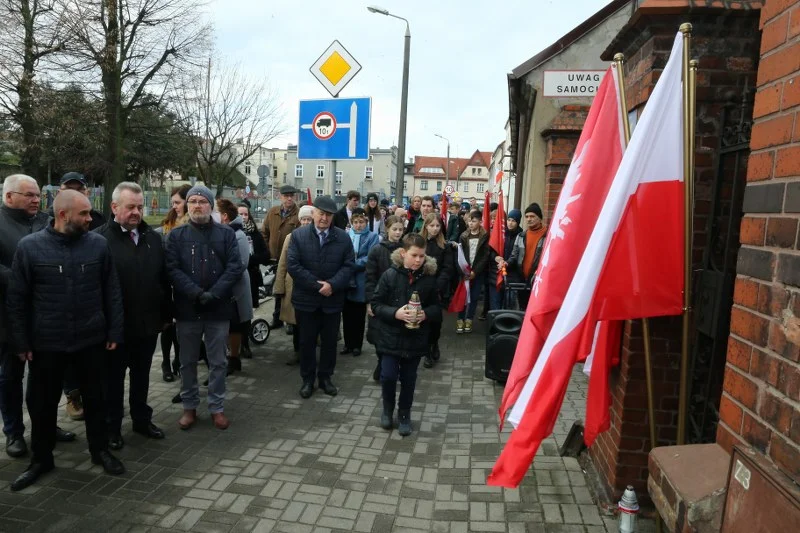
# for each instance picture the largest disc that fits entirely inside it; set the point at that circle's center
(619, 59)
(688, 201)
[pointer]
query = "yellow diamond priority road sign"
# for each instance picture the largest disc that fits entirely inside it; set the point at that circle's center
(335, 68)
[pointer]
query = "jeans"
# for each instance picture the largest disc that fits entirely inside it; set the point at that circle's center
(138, 356)
(354, 315)
(169, 337)
(495, 297)
(214, 333)
(312, 324)
(475, 286)
(404, 369)
(44, 393)
(11, 372)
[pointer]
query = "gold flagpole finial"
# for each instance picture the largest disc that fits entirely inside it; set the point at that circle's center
(686, 27)
(619, 56)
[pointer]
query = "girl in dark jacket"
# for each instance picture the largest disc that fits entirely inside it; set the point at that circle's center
(442, 252)
(378, 262)
(259, 255)
(404, 333)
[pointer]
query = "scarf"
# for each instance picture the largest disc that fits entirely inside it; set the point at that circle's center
(249, 226)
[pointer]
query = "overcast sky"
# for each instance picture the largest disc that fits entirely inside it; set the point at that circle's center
(461, 52)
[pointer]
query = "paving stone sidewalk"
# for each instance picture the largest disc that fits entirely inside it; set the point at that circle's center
(318, 465)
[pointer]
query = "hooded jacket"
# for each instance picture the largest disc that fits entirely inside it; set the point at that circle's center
(394, 291)
(483, 254)
(367, 241)
(378, 261)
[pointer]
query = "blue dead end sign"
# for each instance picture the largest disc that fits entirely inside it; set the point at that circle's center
(334, 128)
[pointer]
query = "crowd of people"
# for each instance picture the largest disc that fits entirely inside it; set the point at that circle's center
(84, 300)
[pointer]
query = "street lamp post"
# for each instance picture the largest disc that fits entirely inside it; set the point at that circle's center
(447, 180)
(401, 142)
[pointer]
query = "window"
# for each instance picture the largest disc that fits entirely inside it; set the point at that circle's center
(284, 176)
(337, 192)
(423, 185)
(320, 192)
(367, 173)
(473, 170)
(284, 156)
(480, 171)
(431, 170)
(438, 186)
(339, 177)
(320, 171)
(275, 173)
(247, 168)
(466, 187)
(479, 187)
(298, 171)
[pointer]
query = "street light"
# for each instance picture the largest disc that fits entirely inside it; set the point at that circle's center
(401, 142)
(447, 180)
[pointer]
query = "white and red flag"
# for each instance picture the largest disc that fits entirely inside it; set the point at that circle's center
(497, 237)
(630, 267)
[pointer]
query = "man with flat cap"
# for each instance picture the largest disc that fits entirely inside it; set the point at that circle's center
(280, 221)
(320, 260)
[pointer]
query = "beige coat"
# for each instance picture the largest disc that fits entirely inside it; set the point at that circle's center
(284, 285)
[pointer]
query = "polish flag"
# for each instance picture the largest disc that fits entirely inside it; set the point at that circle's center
(498, 177)
(497, 238)
(632, 267)
(597, 156)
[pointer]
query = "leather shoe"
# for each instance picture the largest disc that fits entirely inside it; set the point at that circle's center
(188, 418)
(111, 464)
(345, 351)
(356, 352)
(220, 420)
(64, 436)
(115, 441)
(16, 446)
(328, 387)
(29, 476)
(275, 324)
(149, 430)
(289, 329)
(307, 389)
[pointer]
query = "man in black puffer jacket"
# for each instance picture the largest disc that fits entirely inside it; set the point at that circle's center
(203, 263)
(400, 348)
(320, 260)
(64, 307)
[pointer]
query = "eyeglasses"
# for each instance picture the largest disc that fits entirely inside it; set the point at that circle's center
(197, 202)
(28, 195)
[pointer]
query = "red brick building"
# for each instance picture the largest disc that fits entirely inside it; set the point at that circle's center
(745, 363)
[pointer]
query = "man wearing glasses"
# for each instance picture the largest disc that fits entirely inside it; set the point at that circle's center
(203, 264)
(19, 216)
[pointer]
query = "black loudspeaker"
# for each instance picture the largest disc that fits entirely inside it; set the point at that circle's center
(502, 335)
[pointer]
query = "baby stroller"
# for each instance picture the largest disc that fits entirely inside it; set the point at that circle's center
(259, 327)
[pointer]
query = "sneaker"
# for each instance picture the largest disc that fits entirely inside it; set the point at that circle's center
(74, 406)
(459, 326)
(386, 419)
(468, 326)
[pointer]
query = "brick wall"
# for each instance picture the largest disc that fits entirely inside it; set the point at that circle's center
(727, 44)
(562, 137)
(760, 404)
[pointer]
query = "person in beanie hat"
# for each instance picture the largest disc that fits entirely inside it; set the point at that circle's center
(524, 259)
(203, 300)
(516, 214)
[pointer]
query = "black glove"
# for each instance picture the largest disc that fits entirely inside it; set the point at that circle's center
(206, 299)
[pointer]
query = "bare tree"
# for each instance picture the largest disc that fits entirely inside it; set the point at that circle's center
(136, 47)
(232, 115)
(31, 30)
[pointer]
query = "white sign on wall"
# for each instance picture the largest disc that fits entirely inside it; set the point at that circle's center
(571, 83)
